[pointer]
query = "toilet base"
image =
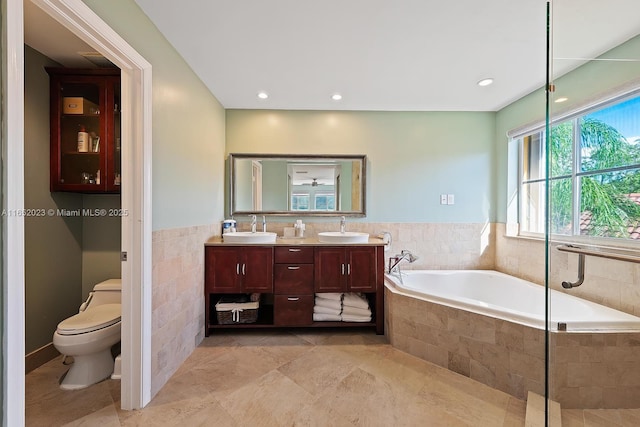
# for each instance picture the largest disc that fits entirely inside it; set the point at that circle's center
(117, 368)
(88, 370)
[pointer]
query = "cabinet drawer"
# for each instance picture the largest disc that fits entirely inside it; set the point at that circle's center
(293, 310)
(294, 254)
(293, 279)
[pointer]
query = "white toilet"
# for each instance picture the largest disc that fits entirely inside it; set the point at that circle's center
(89, 335)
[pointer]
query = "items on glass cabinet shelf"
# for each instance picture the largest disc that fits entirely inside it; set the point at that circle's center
(83, 140)
(86, 178)
(95, 143)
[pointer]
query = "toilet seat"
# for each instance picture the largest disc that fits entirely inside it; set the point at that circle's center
(90, 320)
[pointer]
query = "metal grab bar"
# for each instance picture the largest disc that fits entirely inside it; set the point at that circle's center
(569, 285)
(615, 254)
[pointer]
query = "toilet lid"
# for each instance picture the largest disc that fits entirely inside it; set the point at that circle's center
(97, 317)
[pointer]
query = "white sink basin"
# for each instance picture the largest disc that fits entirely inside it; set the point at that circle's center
(346, 237)
(249, 237)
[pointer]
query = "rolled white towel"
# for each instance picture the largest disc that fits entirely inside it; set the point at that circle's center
(325, 310)
(330, 295)
(355, 311)
(348, 318)
(328, 303)
(355, 300)
(322, 317)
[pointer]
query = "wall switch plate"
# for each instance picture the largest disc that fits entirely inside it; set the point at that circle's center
(450, 199)
(443, 199)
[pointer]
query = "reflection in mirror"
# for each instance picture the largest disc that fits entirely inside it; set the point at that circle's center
(297, 184)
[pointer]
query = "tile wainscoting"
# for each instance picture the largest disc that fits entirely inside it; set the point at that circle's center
(612, 283)
(177, 298)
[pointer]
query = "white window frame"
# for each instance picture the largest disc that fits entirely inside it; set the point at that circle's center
(517, 136)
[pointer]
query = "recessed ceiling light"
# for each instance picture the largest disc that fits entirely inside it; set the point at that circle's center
(561, 99)
(336, 97)
(263, 95)
(485, 82)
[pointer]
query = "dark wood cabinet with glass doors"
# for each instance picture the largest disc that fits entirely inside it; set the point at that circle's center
(85, 130)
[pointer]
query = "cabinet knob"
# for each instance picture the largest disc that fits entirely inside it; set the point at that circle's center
(294, 250)
(293, 267)
(293, 298)
(244, 266)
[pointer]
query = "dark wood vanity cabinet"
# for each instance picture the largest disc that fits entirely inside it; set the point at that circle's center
(238, 269)
(288, 277)
(293, 286)
(345, 269)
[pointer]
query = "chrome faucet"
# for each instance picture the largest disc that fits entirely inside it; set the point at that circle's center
(343, 224)
(253, 223)
(394, 262)
(264, 223)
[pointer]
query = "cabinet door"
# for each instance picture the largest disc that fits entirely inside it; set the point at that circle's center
(257, 269)
(330, 269)
(222, 269)
(361, 271)
(84, 126)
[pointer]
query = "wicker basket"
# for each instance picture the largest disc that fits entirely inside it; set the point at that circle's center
(230, 313)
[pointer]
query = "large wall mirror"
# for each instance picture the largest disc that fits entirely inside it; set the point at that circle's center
(308, 185)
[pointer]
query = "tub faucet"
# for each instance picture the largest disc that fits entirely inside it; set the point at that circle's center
(253, 223)
(394, 262)
(343, 224)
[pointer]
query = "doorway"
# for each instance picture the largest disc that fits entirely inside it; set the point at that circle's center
(135, 195)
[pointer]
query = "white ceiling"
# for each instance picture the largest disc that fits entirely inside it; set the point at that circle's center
(405, 55)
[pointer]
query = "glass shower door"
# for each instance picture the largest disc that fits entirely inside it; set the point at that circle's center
(592, 227)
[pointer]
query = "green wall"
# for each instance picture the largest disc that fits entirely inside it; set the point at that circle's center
(188, 125)
(590, 81)
(413, 157)
(53, 244)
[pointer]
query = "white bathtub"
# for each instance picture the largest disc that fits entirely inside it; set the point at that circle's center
(499, 295)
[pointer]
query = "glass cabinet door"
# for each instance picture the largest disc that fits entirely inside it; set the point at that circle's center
(85, 130)
(81, 134)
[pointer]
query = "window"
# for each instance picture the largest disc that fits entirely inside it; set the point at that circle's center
(594, 174)
(325, 202)
(300, 201)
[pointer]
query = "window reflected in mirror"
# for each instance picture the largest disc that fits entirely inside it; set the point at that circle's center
(297, 184)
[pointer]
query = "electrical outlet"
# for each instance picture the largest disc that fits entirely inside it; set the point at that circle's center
(443, 199)
(450, 199)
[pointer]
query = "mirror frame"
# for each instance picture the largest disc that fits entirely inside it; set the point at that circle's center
(298, 157)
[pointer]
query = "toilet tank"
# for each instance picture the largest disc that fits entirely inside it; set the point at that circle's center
(107, 292)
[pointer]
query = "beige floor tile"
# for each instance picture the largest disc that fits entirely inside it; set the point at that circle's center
(198, 411)
(318, 369)
(105, 417)
(272, 399)
(572, 418)
(515, 416)
(298, 378)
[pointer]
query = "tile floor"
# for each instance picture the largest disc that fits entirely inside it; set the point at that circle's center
(295, 378)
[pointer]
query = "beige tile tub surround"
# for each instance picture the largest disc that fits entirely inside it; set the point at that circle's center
(600, 370)
(177, 298)
(612, 283)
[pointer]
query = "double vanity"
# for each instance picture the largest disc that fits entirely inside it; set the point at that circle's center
(287, 273)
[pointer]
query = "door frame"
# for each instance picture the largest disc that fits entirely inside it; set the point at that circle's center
(136, 99)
